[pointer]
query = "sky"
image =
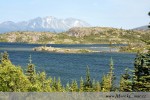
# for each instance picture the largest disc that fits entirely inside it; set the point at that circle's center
(126, 14)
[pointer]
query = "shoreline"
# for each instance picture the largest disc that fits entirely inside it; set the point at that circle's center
(82, 50)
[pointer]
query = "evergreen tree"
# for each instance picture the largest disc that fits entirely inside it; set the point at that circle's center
(106, 86)
(141, 75)
(126, 82)
(108, 80)
(43, 82)
(87, 83)
(74, 86)
(59, 86)
(5, 58)
(68, 87)
(30, 72)
(141, 78)
(81, 85)
(98, 87)
(54, 85)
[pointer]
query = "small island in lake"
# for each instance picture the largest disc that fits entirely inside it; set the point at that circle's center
(62, 50)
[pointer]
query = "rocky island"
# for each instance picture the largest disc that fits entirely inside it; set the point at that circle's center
(62, 50)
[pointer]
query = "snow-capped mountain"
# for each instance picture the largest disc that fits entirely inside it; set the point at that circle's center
(49, 23)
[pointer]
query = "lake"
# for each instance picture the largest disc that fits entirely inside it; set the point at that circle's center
(69, 66)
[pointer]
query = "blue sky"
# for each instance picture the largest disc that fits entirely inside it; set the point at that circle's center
(125, 14)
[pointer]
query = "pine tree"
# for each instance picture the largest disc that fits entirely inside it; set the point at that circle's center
(5, 58)
(74, 86)
(141, 78)
(54, 85)
(108, 80)
(98, 87)
(106, 86)
(59, 85)
(30, 72)
(141, 75)
(43, 82)
(68, 87)
(126, 82)
(88, 83)
(81, 85)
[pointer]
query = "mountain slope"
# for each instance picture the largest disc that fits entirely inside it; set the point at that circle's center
(85, 35)
(142, 28)
(49, 23)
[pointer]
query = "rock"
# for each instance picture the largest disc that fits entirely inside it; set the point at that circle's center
(61, 50)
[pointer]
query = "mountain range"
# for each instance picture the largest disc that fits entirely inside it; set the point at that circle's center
(142, 28)
(49, 24)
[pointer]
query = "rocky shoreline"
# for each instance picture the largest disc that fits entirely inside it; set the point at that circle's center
(61, 50)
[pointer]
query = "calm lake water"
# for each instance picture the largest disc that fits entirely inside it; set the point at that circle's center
(69, 66)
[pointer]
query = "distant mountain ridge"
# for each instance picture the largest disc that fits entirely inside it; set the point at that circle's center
(142, 28)
(49, 23)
